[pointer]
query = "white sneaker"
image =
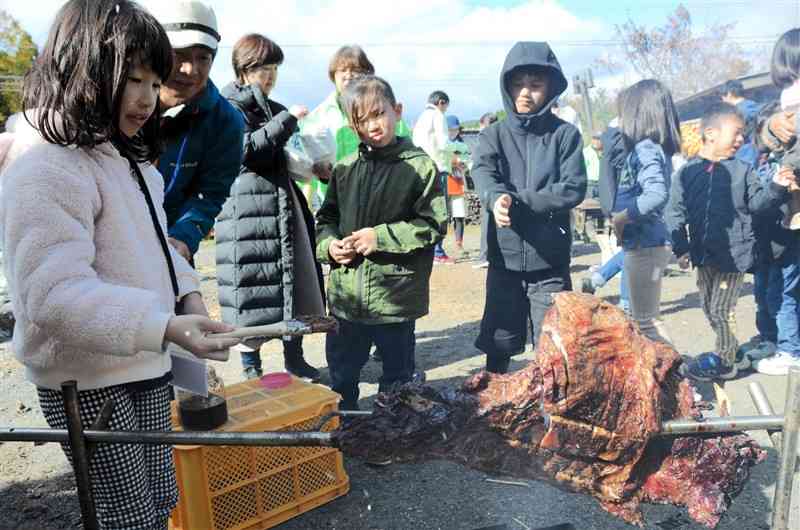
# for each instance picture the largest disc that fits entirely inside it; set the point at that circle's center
(763, 350)
(481, 265)
(778, 364)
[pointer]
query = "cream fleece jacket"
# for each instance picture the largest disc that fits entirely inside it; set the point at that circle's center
(89, 284)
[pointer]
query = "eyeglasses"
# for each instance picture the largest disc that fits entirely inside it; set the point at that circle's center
(352, 71)
(263, 68)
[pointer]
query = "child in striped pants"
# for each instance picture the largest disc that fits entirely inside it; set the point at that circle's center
(714, 196)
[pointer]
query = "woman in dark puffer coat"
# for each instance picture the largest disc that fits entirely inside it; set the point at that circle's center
(266, 268)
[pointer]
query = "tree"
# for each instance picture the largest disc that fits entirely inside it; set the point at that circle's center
(17, 53)
(604, 109)
(687, 62)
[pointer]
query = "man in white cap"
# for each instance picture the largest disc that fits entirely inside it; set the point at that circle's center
(202, 131)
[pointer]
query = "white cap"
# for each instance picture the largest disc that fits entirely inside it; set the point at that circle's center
(187, 22)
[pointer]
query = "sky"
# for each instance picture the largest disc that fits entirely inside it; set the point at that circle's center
(453, 45)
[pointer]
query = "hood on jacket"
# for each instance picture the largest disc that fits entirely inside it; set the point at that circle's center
(247, 96)
(531, 54)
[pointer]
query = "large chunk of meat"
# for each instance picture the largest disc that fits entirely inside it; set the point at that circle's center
(584, 415)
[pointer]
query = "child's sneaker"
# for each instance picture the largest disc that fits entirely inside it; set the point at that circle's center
(443, 260)
(708, 367)
(742, 361)
(762, 350)
(778, 364)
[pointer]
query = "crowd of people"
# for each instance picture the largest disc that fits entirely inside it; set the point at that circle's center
(128, 155)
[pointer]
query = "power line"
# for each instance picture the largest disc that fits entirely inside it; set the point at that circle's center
(755, 39)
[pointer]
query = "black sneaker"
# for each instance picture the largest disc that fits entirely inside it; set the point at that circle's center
(251, 372)
(497, 365)
(587, 286)
(298, 367)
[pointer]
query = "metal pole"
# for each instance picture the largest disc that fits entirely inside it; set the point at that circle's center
(587, 108)
(763, 406)
(726, 424)
(79, 452)
(267, 439)
(781, 508)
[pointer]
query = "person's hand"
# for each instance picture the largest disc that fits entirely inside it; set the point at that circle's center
(364, 241)
(683, 261)
(341, 253)
(322, 170)
(181, 247)
(618, 221)
(782, 126)
(298, 111)
(502, 209)
(785, 178)
(189, 332)
(193, 304)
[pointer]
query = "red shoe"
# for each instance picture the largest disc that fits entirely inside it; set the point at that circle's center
(443, 260)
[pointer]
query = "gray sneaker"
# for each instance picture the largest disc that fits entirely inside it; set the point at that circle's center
(762, 350)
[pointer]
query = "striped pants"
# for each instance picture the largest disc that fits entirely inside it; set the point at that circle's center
(133, 486)
(719, 292)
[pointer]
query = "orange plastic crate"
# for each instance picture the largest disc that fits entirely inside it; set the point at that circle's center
(250, 488)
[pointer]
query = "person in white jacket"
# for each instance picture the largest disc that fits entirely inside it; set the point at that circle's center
(93, 281)
(430, 134)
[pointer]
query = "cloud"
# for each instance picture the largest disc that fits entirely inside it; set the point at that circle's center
(424, 45)
(417, 45)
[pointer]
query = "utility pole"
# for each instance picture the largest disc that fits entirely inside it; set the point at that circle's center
(582, 83)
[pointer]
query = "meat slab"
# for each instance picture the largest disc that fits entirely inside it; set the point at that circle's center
(583, 415)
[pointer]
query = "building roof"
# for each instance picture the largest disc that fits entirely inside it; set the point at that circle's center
(757, 87)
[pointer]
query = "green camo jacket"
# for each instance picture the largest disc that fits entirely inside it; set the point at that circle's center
(395, 190)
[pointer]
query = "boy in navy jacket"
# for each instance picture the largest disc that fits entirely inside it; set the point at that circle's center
(530, 172)
(714, 195)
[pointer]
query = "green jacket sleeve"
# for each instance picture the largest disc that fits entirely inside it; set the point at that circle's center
(328, 217)
(426, 227)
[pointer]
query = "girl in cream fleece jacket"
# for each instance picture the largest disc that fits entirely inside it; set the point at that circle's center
(89, 268)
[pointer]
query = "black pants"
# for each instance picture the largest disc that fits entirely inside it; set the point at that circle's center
(348, 351)
(458, 225)
(516, 301)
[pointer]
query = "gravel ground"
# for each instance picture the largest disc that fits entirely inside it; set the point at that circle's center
(37, 488)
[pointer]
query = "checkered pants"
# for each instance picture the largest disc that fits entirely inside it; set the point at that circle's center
(133, 485)
(719, 292)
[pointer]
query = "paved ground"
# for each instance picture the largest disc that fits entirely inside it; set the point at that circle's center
(37, 490)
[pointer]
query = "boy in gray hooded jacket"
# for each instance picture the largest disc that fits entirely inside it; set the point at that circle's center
(530, 173)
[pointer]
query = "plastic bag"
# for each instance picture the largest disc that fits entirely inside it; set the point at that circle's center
(317, 139)
(298, 163)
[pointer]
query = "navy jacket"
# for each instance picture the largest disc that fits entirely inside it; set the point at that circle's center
(537, 159)
(203, 152)
(717, 200)
(773, 241)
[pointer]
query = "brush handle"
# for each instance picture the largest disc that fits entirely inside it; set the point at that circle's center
(279, 329)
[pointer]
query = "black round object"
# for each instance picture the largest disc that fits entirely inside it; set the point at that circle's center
(199, 413)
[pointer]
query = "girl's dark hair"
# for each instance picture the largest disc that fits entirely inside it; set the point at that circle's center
(75, 86)
(254, 50)
(785, 68)
(363, 95)
(646, 111)
(350, 56)
(438, 96)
